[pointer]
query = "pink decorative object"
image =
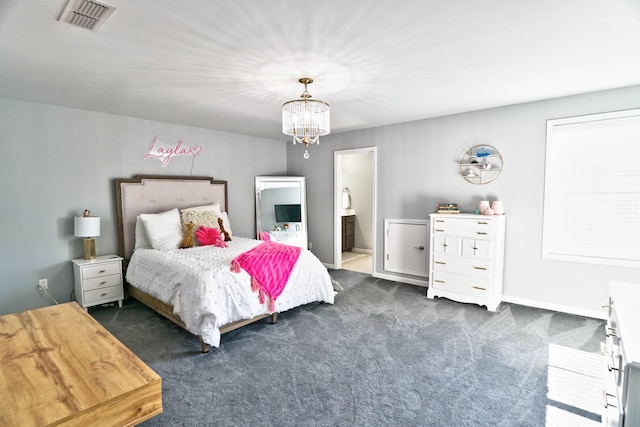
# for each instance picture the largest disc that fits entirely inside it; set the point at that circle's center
(487, 211)
(498, 208)
(210, 236)
(264, 235)
(165, 152)
(484, 205)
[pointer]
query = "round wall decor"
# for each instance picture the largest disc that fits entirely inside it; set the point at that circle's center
(481, 164)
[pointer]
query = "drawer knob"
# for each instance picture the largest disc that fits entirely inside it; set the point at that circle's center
(419, 247)
(439, 281)
(611, 368)
(102, 271)
(480, 268)
(479, 288)
(441, 262)
(103, 282)
(104, 294)
(482, 233)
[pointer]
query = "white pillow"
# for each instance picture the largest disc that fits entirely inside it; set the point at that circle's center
(141, 236)
(164, 230)
(213, 207)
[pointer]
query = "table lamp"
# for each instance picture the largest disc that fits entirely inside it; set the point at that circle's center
(87, 227)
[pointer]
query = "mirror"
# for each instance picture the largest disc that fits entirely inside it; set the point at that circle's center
(281, 209)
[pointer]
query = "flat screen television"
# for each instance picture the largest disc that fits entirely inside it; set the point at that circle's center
(288, 213)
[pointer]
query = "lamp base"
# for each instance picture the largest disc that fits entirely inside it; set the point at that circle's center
(89, 248)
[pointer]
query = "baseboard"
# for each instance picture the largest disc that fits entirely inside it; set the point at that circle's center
(362, 251)
(596, 314)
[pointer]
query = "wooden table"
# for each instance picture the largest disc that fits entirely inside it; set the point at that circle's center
(59, 366)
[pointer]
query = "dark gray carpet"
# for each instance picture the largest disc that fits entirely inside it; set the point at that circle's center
(382, 355)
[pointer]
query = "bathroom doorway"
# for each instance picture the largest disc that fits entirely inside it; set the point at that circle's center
(355, 187)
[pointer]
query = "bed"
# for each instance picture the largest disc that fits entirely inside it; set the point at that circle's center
(197, 287)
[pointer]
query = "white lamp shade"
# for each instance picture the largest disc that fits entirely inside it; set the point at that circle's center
(86, 226)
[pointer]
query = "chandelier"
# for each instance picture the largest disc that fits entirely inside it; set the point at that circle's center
(305, 119)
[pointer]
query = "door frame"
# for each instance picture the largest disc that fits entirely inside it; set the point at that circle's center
(337, 203)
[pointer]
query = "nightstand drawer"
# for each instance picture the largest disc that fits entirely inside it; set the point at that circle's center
(103, 269)
(101, 282)
(107, 294)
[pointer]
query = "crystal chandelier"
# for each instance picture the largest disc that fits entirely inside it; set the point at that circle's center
(305, 119)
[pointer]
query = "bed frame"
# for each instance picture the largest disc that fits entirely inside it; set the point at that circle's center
(157, 193)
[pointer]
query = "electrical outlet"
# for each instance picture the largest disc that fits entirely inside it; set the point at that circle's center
(43, 284)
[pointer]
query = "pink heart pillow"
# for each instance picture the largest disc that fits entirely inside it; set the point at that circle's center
(208, 236)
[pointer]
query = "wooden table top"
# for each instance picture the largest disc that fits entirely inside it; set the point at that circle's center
(58, 365)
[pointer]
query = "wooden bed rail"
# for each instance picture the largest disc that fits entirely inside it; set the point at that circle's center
(167, 311)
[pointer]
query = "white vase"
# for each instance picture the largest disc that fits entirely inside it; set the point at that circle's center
(498, 207)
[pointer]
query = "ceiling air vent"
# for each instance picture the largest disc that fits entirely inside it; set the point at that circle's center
(89, 14)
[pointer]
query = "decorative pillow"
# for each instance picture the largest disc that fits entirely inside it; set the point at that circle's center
(198, 218)
(215, 207)
(210, 236)
(164, 230)
(141, 236)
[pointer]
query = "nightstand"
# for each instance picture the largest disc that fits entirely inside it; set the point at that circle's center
(98, 281)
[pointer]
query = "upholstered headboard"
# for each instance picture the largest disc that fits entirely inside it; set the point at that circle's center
(156, 193)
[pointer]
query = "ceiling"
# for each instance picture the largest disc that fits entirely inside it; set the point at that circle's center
(229, 65)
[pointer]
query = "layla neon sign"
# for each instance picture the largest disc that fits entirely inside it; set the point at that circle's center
(165, 152)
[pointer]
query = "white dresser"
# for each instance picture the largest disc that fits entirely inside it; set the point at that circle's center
(466, 260)
(622, 355)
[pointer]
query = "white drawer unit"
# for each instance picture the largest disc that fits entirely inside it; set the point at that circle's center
(621, 396)
(98, 281)
(466, 260)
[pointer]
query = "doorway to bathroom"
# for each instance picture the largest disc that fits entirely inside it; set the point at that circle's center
(355, 214)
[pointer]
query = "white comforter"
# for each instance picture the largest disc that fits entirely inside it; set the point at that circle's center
(206, 295)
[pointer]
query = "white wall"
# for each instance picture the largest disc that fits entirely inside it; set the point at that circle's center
(58, 161)
(417, 168)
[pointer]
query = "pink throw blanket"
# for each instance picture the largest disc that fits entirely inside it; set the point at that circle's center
(269, 265)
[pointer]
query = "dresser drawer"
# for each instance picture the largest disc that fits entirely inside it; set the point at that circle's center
(102, 282)
(104, 294)
(461, 284)
(476, 268)
(104, 269)
(477, 228)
